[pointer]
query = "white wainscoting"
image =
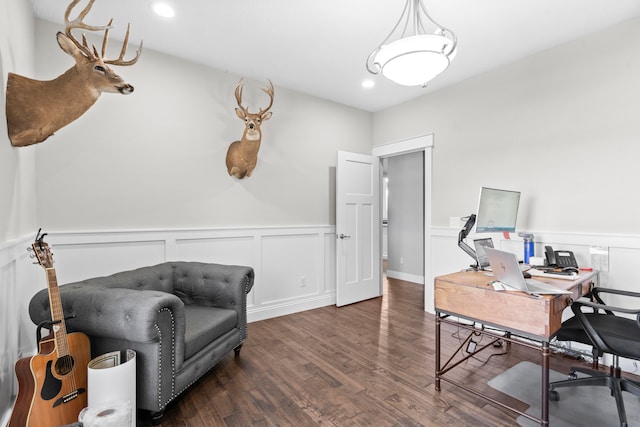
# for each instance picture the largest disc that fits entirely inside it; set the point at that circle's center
(294, 266)
(295, 269)
(624, 252)
(19, 280)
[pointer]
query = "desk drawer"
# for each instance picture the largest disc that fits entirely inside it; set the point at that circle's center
(537, 316)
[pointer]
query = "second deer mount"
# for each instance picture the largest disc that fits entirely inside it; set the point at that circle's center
(36, 109)
(242, 155)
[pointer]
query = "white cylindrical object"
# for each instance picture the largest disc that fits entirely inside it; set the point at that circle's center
(107, 414)
(110, 380)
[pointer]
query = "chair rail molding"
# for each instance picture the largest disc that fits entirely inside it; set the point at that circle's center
(295, 266)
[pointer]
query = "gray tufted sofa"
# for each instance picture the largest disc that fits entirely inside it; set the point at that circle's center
(181, 318)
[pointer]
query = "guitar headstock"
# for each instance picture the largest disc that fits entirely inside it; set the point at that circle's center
(42, 251)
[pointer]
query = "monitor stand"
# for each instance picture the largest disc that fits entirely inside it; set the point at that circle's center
(471, 220)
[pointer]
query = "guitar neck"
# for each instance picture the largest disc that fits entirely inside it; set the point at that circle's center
(57, 314)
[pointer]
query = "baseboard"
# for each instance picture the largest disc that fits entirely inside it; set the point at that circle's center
(405, 276)
(255, 314)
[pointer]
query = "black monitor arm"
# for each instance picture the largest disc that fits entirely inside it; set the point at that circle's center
(471, 220)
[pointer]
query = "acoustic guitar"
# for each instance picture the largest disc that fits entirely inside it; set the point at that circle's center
(52, 385)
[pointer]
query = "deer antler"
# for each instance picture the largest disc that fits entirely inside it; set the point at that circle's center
(123, 51)
(84, 46)
(269, 91)
(238, 93)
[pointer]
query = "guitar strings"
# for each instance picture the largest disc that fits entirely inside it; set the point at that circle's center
(61, 338)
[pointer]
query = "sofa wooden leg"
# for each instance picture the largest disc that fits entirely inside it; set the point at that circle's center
(156, 417)
(237, 350)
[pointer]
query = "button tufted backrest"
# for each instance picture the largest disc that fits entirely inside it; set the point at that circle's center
(209, 284)
(154, 278)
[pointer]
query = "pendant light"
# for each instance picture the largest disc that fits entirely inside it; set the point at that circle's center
(416, 50)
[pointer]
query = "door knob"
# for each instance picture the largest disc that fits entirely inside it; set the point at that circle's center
(344, 236)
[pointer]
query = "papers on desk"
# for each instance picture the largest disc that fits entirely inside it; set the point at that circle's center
(499, 286)
(541, 273)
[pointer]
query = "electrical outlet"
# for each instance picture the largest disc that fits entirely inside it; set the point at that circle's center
(454, 222)
(401, 260)
(599, 257)
(303, 281)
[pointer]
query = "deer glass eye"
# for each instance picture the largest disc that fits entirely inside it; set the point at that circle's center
(99, 68)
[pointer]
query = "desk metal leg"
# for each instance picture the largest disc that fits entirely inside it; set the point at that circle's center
(545, 384)
(437, 352)
(542, 347)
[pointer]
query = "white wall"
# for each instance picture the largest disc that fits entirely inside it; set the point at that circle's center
(17, 201)
(155, 161)
(17, 188)
(156, 158)
(561, 126)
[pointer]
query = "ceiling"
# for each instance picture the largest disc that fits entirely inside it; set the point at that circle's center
(320, 47)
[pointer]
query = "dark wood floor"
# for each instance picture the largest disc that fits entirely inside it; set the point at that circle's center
(367, 364)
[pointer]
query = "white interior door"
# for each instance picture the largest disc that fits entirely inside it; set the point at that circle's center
(357, 228)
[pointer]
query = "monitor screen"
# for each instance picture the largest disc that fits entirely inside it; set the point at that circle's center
(497, 210)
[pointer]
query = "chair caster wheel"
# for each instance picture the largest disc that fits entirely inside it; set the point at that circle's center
(554, 396)
(572, 376)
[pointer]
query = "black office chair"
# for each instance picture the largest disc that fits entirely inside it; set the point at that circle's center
(606, 332)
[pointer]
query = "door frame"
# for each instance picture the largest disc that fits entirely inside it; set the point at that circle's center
(422, 143)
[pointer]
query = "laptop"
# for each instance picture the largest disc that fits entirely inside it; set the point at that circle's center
(481, 255)
(506, 270)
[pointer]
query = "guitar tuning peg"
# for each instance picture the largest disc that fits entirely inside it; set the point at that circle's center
(29, 249)
(32, 256)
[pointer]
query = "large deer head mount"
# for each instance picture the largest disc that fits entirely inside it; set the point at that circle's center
(36, 109)
(242, 155)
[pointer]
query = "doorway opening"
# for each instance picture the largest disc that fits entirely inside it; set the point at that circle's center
(421, 149)
(403, 219)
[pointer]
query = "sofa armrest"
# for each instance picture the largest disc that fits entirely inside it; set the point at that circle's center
(127, 314)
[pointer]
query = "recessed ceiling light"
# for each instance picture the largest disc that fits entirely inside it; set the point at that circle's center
(163, 9)
(368, 83)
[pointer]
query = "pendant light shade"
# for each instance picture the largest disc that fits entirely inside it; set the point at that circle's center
(410, 55)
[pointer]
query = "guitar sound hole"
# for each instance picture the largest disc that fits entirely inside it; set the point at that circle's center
(64, 365)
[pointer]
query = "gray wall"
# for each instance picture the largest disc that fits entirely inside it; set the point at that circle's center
(156, 158)
(561, 126)
(406, 219)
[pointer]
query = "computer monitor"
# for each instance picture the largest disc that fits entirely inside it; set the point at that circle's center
(497, 210)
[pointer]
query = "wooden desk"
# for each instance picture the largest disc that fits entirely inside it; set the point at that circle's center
(468, 295)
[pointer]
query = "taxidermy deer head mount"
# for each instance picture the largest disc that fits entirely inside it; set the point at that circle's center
(36, 109)
(242, 155)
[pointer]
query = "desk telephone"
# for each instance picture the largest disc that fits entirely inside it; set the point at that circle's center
(560, 259)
